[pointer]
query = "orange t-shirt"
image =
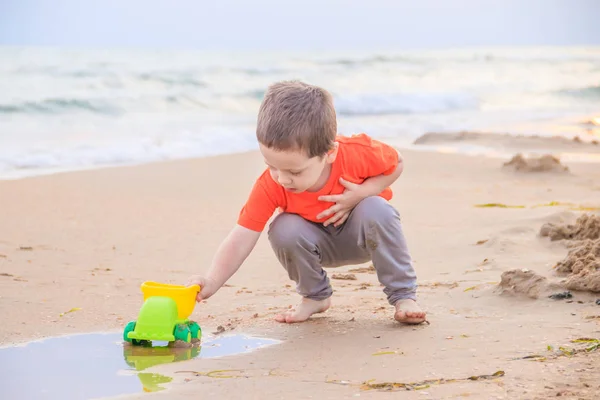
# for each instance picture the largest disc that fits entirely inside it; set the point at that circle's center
(359, 157)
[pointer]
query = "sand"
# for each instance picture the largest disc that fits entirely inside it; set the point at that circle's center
(587, 226)
(544, 163)
(85, 241)
(523, 281)
(582, 264)
(507, 142)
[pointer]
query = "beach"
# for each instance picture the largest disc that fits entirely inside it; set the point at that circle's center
(128, 150)
(84, 241)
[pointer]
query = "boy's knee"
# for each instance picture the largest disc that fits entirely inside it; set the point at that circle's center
(285, 231)
(375, 210)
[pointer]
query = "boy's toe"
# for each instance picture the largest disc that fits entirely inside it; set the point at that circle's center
(281, 318)
(408, 317)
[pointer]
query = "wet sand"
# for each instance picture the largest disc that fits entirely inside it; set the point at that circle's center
(87, 240)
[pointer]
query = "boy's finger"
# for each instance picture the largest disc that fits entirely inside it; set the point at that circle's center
(337, 216)
(333, 219)
(330, 198)
(331, 210)
(192, 282)
(323, 214)
(341, 220)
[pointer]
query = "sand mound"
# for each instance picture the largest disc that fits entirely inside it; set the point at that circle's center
(520, 281)
(544, 163)
(583, 266)
(587, 226)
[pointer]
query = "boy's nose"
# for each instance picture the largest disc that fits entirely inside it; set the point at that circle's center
(283, 180)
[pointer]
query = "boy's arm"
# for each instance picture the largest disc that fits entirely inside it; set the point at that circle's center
(235, 248)
(230, 255)
(355, 193)
(376, 184)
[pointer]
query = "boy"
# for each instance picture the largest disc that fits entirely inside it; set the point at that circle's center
(332, 191)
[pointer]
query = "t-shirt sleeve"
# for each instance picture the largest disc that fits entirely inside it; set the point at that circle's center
(376, 158)
(259, 207)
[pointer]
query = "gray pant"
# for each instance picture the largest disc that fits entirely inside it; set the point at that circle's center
(372, 232)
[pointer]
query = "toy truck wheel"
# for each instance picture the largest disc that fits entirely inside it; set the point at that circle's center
(195, 330)
(130, 327)
(182, 332)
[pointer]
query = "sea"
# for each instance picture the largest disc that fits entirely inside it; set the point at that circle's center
(74, 109)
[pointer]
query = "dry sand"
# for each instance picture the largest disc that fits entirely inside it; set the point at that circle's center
(88, 239)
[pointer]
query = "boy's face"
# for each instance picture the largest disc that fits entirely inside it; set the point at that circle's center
(296, 172)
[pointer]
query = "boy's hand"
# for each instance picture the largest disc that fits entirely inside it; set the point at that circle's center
(344, 203)
(208, 287)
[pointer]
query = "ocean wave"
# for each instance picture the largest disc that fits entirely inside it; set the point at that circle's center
(374, 104)
(589, 92)
(403, 103)
(173, 79)
(106, 107)
(260, 71)
(60, 105)
(168, 78)
(375, 60)
(484, 57)
(61, 72)
(257, 94)
(252, 71)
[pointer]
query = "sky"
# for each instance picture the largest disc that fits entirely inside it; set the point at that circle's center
(292, 24)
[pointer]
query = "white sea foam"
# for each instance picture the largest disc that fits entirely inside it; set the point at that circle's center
(18, 163)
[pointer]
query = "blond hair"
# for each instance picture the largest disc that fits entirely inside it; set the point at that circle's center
(297, 116)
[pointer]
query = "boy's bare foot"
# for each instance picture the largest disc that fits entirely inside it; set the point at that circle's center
(304, 310)
(409, 312)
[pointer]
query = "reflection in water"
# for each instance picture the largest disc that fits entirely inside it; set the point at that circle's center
(100, 365)
(143, 357)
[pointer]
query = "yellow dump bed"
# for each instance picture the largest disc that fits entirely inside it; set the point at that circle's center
(184, 296)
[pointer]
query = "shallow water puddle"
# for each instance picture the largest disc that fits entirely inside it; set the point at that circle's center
(96, 365)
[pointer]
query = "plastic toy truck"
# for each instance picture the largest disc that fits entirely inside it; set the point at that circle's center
(164, 315)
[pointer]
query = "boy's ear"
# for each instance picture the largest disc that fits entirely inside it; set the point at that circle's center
(332, 154)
